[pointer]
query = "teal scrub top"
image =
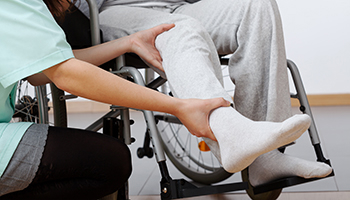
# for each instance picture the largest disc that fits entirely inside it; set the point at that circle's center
(30, 41)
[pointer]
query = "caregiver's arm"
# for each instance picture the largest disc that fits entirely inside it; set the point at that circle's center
(38, 79)
(142, 43)
(86, 80)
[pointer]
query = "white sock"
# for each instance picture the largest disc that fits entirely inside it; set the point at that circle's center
(274, 165)
(214, 147)
(242, 140)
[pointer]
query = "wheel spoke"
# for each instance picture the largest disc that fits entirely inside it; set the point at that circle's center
(27, 108)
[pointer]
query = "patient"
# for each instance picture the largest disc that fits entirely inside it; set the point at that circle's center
(251, 31)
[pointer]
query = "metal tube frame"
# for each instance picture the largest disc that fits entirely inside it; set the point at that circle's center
(94, 22)
(41, 96)
(149, 116)
(301, 96)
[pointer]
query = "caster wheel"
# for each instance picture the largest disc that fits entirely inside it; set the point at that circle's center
(271, 195)
(149, 153)
(141, 152)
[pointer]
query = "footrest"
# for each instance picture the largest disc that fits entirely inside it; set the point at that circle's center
(284, 182)
(181, 189)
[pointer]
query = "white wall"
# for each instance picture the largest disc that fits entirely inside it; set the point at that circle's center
(317, 35)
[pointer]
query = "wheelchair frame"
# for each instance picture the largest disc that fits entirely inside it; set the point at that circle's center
(170, 188)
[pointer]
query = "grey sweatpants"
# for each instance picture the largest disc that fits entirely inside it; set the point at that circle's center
(250, 29)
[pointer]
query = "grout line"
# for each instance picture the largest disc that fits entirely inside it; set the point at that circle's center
(150, 175)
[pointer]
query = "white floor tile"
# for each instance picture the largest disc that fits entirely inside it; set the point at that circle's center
(333, 125)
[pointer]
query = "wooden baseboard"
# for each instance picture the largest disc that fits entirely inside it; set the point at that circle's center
(326, 100)
(314, 100)
(86, 106)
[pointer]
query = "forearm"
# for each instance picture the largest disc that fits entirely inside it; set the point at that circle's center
(105, 52)
(85, 80)
(38, 79)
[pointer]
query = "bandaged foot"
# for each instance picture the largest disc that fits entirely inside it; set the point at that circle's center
(242, 140)
(274, 165)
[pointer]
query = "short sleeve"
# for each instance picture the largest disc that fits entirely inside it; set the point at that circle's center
(30, 40)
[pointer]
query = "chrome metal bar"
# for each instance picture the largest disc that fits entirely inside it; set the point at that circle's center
(120, 61)
(149, 116)
(94, 22)
(301, 95)
(41, 95)
(125, 116)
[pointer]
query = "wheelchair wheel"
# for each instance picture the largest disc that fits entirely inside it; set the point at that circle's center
(271, 195)
(33, 104)
(187, 153)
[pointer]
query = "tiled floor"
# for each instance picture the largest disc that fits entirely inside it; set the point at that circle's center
(333, 125)
(283, 196)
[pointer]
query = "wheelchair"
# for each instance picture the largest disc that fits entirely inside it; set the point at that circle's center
(165, 132)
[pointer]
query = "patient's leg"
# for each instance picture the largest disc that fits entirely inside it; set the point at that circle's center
(258, 68)
(188, 59)
(193, 70)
